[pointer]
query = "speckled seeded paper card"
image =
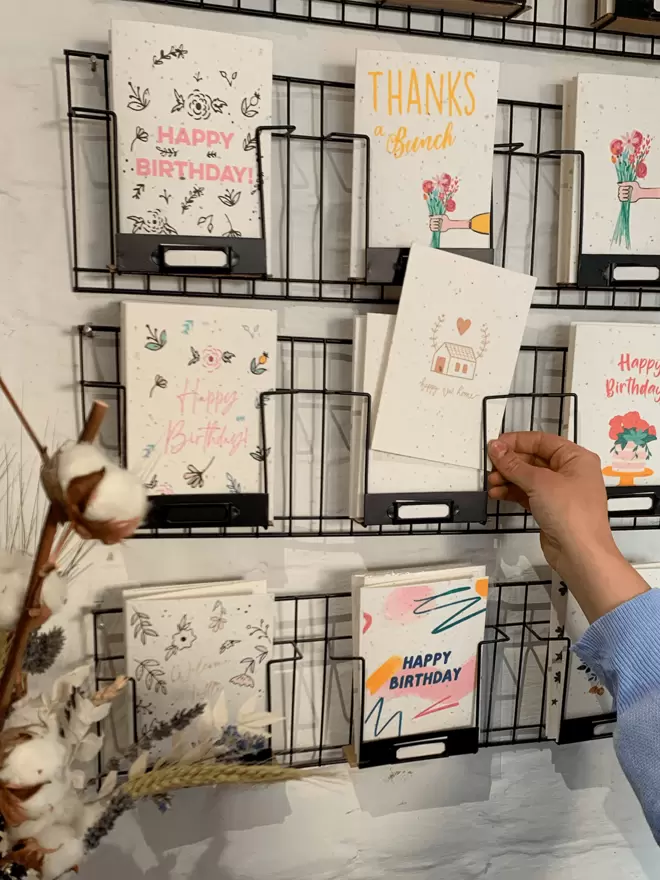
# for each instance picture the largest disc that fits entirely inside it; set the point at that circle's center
(456, 340)
(431, 124)
(615, 371)
(612, 119)
(188, 103)
(193, 377)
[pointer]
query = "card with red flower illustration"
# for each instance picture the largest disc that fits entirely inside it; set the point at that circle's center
(188, 103)
(194, 376)
(183, 651)
(611, 120)
(615, 371)
(431, 125)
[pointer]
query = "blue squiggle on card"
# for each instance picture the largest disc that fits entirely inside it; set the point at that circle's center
(459, 616)
(397, 718)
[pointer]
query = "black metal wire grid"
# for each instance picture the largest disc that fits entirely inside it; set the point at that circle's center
(309, 477)
(311, 680)
(311, 201)
(558, 25)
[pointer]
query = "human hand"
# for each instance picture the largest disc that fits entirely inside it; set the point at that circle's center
(630, 192)
(561, 484)
(436, 222)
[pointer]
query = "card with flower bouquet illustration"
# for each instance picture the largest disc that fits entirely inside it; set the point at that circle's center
(188, 103)
(611, 120)
(431, 125)
(615, 373)
(456, 340)
(193, 377)
(185, 651)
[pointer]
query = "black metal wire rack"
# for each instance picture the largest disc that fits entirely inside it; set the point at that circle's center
(557, 25)
(309, 478)
(310, 680)
(311, 201)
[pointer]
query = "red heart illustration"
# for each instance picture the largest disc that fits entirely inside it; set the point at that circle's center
(463, 325)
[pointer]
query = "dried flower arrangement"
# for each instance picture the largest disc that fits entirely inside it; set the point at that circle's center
(47, 823)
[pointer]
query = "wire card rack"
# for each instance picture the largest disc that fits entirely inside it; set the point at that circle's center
(313, 678)
(310, 201)
(307, 478)
(559, 25)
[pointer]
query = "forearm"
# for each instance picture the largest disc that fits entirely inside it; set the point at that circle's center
(623, 650)
(649, 192)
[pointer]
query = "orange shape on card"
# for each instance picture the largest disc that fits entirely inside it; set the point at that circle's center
(481, 587)
(378, 678)
(463, 325)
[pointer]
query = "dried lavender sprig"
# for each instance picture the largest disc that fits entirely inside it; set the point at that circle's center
(116, 808)
(43, 650)
(164, 729)
(237, 745)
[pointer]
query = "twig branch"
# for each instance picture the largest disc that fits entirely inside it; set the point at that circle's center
(43, 452)
(32, 615)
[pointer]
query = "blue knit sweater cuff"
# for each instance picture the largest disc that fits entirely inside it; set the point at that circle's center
(623, 649)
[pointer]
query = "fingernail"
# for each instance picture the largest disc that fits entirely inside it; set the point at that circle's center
(497, 447)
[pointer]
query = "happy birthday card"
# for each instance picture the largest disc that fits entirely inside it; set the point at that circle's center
(456, 340)
(188, 103)
(194, 376)
(431, 124)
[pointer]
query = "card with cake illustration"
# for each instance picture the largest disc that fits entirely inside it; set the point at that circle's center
(419, 638)
(456, 340)
(430, 121)
(182, 651)
(194, 376)
(188, 103)
(615, 373)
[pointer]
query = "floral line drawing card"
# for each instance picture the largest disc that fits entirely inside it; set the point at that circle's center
(456, 340)
(185, 651)
(188, 103)
(194, 376)
(431, 125)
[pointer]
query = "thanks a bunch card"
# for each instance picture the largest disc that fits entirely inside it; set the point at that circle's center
(615, 371)
(431, 125)
(194, 376)
(188, 103)
(456, 340)
(611, 120)
(419, 638)
(182, 651)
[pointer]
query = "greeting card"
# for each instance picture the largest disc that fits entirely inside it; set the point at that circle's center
(419, 638)
(610, 119)
(193, 377)
(392, 473)
(184, 651)
(188, 103)
(431, 124)
(456, 340)
(616, 376)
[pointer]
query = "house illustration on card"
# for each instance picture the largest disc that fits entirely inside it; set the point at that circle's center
(455, 360)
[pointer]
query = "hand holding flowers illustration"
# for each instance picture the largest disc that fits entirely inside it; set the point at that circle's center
(439, 197)
(628, 155)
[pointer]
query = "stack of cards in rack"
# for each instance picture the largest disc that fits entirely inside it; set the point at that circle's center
(573, 690)
(418, 634)
(187, 644)
(453, 342)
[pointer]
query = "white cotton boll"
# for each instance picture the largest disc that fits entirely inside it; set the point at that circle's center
(78, 460)
(54, 802)
(54, 591)
(68, 850)
(14, 575)
(40, 759)
(48, 799)
(119, 496)
(26, 713)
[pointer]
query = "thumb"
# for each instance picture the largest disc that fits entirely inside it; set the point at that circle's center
(511, 466)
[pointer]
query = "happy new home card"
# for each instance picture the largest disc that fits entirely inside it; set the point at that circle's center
(194, 376)
(456, 340)
(431, 125)
(615, 371)
(188, 103)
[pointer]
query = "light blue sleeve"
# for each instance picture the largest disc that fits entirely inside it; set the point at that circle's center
(623, 649)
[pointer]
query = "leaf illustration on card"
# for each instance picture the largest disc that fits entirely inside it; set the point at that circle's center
(230, 78)
(179, 102)
(165, 196)
(250, 106)
(195, 193)
(219, 620)
(153, 482)
(198, 77)
(227, 644)
(138, 189)
(138, 99)
(233, 485)
(187, 326)
(258, 364)
(195, 477)
(206, 222)
(155, 340)
(261, 631)
(175, 52)
(250, 664)
(153, 674)
(230, 197)
(171, 152)
(249, 142)
(194, 356)
(182, 639)
(211, 154)
(140, 135)
(262, 653)
(260, 454)
(142, 626)
(159, 382)
(251, 331)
